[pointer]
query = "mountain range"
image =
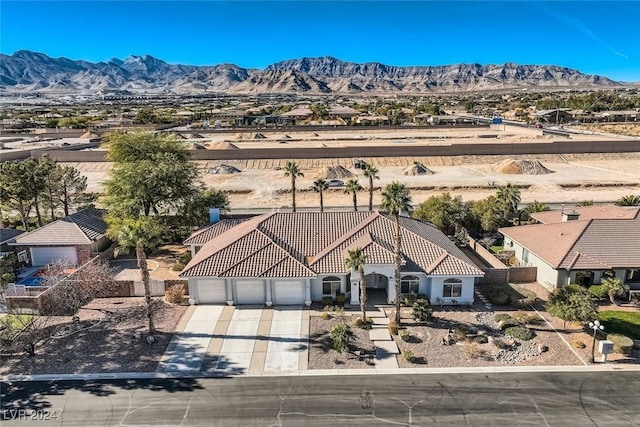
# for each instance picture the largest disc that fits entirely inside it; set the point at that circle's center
(27, 71)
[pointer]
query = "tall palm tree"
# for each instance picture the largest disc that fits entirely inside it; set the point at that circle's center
(293, 170)
(355, 262)
(138, 233)
(370, 172)
(395, 200)
(508, 198)
(628, 200)
(319, 185)
(353, 186)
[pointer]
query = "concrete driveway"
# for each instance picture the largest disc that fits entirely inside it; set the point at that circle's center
(238, 340)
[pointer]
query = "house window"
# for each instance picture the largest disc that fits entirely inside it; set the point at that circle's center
(525, 256)
(452, 288)
(330, 286)
(409, 285)
(633, 275)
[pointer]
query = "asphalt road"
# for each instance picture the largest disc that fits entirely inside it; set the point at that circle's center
(506, 399)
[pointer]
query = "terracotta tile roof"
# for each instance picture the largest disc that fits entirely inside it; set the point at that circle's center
(305, 244)
(209, 231)
(582, 244)
(588, 212)
(81, 228)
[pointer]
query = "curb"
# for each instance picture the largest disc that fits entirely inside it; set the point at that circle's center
(322, 372)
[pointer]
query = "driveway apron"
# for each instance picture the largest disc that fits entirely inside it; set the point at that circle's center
(194, 340)
(285, 344)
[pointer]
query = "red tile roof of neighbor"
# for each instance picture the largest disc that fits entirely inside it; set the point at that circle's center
(582, 244)
(81, 228)
(305, 244)
(588, 212)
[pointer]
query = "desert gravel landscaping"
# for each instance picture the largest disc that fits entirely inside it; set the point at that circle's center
(109, 346)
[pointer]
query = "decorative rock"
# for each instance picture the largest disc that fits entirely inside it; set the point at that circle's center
(543, 348)
(150, 339)
(137, 335)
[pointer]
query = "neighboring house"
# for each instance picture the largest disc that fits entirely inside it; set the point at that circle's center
(578, 251)
(75, 238)
(7, 236)
(295, 258)
(587, 212)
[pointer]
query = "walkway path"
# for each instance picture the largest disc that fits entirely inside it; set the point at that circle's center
(386, 347)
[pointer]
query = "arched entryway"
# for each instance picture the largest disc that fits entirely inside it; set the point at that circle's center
(376, 288)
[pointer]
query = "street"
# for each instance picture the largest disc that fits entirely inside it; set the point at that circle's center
(500, 399)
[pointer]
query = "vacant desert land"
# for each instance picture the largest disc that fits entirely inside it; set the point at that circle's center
(262, 184)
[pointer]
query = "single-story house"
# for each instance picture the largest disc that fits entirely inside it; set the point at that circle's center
(75, 238)
(7, 236)
(288, 258)
(579, 251)
(606, 211)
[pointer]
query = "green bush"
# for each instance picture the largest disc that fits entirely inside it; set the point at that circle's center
(422, 311)
(621, 343)
(363, 324)
(408, 356)
(526, 318)
(408, 300)
(424, 297)
(327, 301)
(340, 299)
(404, 335)
(502, 316)
(501, 344)
(520, 332)
(497, 295)
(341, 337)
(481, 339)
(598, 291)
(393, 327)
(508, 323)
(460, 332)
(185, 257)
(325, 315)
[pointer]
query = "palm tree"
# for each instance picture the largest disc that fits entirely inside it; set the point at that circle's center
(533, 207)
(370, 172)
(353, 186)
(395, 200)
(138, 233)
(291, 169)
(319, 186)
(355, 262)
(628, 200)
(508, 198)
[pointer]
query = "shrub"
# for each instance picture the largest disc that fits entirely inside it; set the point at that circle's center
(481, 339)
(408, 300)
(341, 337)
(327, 301)
(393, 327)
(502, 316)
(520, 332)
(598, 291)
(472, 351)
(340, 299)
(508, 323)
(325, 315)
(406, 336)
(363, 324)
(460, 332)
(339, 311)
(526, 318)
(408, 356)
(424, 297)
(621, 343)
(178, 266)
(175, 294)
(524, 302)
(577, 344)
(497, 295)
(422, 311)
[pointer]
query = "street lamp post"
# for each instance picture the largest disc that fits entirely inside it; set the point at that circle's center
(596, 326)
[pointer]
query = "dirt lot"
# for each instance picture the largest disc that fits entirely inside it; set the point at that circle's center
(102, 341)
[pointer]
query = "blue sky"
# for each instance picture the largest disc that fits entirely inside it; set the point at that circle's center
(591, 36)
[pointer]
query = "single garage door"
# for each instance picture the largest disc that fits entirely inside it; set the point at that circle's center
(44, 256)
(250, 292)
(289, 293)
(211, 291)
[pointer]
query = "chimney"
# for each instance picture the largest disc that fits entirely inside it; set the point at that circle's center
(214, 215)
(570, 216)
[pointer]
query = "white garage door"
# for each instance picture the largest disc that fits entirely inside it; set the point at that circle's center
(289, 293)
(250, 292)
(211, 291)
(44, 256)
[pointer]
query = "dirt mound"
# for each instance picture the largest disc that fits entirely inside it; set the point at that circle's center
(520, 167)
(89, 135)
(223, 169)
(223, 146)
(335, 172)
(418, 169)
